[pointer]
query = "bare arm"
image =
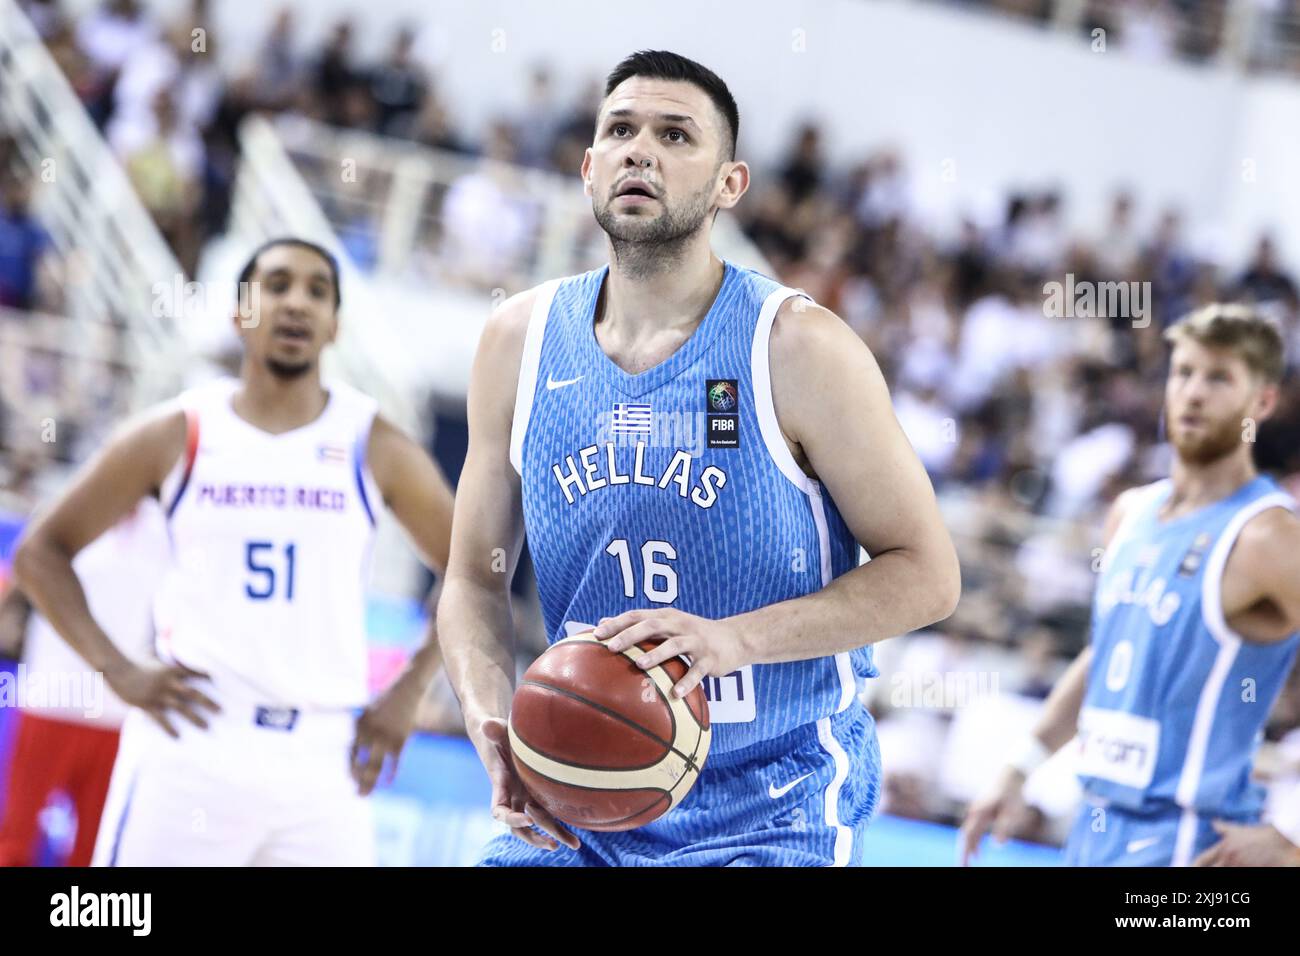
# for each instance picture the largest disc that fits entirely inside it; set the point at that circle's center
(132, 465)
(832, 400)
(415, 490)
(474, 616)
(474, 620)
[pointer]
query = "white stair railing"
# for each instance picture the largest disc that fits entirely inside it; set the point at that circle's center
(115, 258)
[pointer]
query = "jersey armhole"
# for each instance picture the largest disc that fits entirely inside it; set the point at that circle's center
(526, 387)
(1217, 563)
(173, 487)
(367, 488)
(760, 374)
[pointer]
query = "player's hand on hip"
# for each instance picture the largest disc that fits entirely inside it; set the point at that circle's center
(998, 811)
(715, 648)
(382, 730)
(1249, 846)
(511, 802)
(159, 688)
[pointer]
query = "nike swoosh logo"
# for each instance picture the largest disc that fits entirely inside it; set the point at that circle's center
(550, 383)
(1136, 845)
(777, 792)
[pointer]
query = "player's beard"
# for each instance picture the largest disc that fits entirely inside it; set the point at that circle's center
(645, 246)
(1215, 443)
(287, 372)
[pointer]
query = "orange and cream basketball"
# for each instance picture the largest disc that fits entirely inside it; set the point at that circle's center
(602, 744)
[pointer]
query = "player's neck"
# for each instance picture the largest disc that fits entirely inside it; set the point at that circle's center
(276, 404)
(636, 303)
(1198, 485)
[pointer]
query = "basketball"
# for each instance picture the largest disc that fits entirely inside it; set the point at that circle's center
(601, 744)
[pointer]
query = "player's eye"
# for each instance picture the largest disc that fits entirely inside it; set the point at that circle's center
(617, 127)
(682, 137)
(319, 290)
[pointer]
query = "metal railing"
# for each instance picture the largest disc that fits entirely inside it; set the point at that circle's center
(114, 256)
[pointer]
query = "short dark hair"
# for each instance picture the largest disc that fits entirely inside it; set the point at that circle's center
(250, 266)
(662, 65)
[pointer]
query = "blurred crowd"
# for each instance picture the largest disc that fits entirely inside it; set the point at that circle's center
(1259, 34)
(1028, 422)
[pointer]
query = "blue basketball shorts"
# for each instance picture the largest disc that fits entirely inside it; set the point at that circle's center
(1107, 835)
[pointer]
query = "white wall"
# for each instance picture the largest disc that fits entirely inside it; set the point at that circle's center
(1000, 103)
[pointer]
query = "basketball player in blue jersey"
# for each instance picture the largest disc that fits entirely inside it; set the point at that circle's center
(245, 747)
(1194, 624)
(695, 454)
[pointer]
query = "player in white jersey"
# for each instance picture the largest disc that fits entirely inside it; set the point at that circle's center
(270, 484)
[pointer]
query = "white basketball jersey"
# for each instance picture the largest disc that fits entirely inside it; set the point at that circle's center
(271, 539)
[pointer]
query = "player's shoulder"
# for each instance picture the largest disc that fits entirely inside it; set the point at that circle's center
(808, 338)
(507, 325)
(1271, 538)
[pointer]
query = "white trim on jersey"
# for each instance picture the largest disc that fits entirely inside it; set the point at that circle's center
(1189, 780)
(764, 407)
(527, 384)
(1141, 501)
(770, 428)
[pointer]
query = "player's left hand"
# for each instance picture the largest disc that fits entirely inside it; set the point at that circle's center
(715, 648)
(382, 730)
(1249, 846)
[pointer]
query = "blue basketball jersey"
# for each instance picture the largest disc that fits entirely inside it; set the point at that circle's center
(674, 488)
(1175, 700)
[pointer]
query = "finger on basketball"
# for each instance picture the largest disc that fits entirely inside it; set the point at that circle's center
(547, 823)
(663, 651)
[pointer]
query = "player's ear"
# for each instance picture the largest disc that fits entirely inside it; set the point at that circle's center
(586, 172)
(1266, 401)
(735, 183)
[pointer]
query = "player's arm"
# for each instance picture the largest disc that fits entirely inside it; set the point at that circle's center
(832, 400)
(474, 618)
(1264, 567)
(131, 466)
(15, 612)
(418, 495)
(1056, 727)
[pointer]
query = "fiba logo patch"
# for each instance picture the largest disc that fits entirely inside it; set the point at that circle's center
(722, 395)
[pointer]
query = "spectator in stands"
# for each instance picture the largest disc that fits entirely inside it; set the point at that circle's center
(398, 86)
(166, 169)
(488, 222)
(538, 126)
(23, 241)
(1264, 280)
(334, 73)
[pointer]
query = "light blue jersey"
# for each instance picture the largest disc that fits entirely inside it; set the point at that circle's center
(674, 488)
(1175, 700)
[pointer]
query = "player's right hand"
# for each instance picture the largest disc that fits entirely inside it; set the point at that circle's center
(511, 802)
(159, 688)
(998, 811)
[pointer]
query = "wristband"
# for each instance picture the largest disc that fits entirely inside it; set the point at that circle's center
(1029, 754)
